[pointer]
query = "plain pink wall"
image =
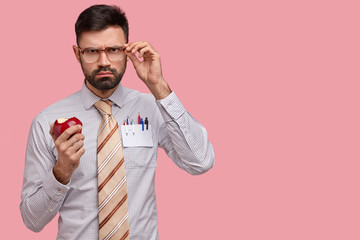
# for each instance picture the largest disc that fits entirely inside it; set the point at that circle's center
(276, 84)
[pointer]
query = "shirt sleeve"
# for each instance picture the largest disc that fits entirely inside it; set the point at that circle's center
(183, 138)
(42, 195)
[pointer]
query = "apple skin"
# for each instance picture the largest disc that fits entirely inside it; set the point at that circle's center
(59, 128)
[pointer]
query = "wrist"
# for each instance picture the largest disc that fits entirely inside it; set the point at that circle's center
(160, 90)
(61, 175)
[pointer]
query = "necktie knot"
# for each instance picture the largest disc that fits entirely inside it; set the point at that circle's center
(104, 106)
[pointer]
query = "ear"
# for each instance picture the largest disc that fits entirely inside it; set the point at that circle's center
(76, 52)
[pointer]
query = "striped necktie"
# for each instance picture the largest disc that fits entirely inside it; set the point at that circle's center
(112, 187)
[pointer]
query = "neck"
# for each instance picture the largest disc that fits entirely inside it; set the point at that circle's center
(104, 94)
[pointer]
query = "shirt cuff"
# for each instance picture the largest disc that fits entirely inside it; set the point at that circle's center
(54, 189)
(170, 107)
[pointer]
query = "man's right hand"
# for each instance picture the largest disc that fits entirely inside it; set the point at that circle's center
(70, 149)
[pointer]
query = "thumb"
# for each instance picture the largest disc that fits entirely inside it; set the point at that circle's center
(133, 58)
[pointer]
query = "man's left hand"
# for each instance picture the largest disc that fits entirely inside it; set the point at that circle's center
(149, 68)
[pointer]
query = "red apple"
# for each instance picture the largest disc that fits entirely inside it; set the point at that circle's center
(62, 124)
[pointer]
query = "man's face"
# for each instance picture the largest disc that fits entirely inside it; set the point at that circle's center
(102, 74)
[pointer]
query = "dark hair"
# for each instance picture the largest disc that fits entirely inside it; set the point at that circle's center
(100, 17)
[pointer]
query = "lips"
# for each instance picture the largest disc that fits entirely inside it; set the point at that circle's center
(105, 74)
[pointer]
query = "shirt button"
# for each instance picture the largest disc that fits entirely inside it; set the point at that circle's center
(50, 210)
(170, 107)
(61, 191)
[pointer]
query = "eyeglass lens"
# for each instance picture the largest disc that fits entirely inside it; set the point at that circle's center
(113, 54)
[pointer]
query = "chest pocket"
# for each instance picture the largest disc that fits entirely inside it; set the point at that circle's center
(137, 157)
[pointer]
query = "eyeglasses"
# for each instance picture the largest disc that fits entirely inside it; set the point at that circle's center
(114, 54)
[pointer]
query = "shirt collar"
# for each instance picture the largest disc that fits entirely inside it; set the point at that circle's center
(89, 98)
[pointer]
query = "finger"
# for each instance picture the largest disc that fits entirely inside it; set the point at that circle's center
(76, 146)
(130, 46)
(147, 51)
(68, 132)
(144, 47)
(136, 46)
(139, 46)
(79, 153)
(133, 58)
(75, 138)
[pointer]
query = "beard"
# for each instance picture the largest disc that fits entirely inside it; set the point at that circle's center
(105, 83)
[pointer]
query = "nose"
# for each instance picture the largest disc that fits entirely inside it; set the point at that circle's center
(103, 60)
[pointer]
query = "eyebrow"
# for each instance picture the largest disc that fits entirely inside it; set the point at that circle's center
(115, 46)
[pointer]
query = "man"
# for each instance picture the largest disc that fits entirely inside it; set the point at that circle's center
(62, 175)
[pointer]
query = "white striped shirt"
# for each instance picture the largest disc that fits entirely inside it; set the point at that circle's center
(174, 129)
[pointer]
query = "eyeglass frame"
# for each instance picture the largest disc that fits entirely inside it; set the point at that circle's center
(101, 50)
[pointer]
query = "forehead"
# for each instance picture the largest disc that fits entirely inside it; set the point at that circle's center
(109, 37)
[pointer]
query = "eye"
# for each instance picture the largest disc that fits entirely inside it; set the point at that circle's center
(91, 51)
(113, 50)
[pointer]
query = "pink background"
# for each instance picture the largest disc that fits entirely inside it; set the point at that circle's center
(276, 84)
